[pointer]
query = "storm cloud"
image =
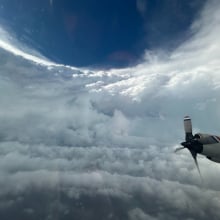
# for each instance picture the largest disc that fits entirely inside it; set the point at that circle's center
(88, 144)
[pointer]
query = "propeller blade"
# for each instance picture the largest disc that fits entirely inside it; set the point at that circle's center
(194, 155)
(178, 149)
(188, 128)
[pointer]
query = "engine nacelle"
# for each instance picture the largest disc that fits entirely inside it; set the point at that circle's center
(214, 159)
(207, 138)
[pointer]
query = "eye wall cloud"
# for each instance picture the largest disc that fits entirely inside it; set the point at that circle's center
(89, 144)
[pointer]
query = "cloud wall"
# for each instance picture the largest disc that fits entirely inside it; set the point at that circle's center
(79, 144)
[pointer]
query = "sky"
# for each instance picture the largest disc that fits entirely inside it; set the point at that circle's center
(99, 33)
(87, 143)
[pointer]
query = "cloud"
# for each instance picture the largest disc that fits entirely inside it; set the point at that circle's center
(141, 6)
(9, 43)
(99, 145)
(51, 2)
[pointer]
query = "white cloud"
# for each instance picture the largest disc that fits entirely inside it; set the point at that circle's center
(112, 134)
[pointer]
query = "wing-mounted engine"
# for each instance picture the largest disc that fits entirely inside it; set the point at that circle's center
(205, 144)
(214, 159)
(207, 138)
(191, 142)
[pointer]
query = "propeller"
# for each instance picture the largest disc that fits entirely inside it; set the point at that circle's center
(194, 154)
(188, 128)
(178, 149)
(191, 142)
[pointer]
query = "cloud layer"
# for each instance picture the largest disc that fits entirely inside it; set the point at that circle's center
(79, 144)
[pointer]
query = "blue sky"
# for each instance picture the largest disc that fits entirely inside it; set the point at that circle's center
(100, 33)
